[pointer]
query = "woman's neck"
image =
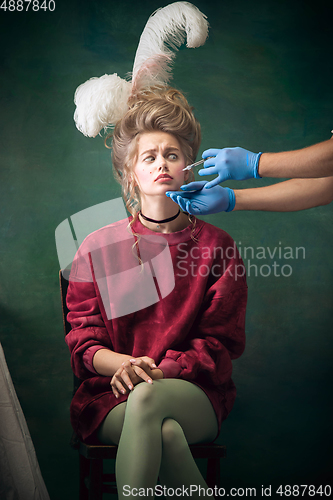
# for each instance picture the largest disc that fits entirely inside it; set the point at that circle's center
(158, 208)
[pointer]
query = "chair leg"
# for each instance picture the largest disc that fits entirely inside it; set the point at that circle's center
(95, 479)
(213, 472)
(84, 473)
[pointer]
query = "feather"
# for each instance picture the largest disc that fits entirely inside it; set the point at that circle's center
(165, 31)
(100, 102)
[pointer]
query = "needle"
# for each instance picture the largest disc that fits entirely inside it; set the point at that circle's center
(189, 167)
(194, 165)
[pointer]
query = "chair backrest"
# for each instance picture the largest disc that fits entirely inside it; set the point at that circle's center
(67, 327)
(63, 292)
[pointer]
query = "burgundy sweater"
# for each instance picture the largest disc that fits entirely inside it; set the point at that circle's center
(179, 298)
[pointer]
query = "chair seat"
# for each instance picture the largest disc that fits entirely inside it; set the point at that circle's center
(104, 452)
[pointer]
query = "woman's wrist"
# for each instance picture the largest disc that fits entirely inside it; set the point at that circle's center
(157, 374)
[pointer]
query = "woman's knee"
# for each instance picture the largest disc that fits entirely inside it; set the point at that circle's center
(172, 431)
(143, 400)
(173, 435)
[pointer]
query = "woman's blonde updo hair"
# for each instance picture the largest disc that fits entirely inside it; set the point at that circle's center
(162, 109)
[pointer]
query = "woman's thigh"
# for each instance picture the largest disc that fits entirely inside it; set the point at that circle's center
(177, 399)
(110, 429)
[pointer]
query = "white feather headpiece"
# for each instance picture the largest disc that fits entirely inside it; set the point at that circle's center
(101, 102)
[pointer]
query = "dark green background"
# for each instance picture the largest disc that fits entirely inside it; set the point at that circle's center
(263, 81)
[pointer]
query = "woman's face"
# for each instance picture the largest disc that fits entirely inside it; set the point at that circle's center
(159, 164)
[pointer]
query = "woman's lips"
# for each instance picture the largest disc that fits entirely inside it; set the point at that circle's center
(164, 177)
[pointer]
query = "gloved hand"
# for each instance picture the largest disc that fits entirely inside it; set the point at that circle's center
(198, 201)
(230, 163)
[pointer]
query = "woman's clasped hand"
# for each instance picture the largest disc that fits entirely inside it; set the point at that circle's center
(132, 372)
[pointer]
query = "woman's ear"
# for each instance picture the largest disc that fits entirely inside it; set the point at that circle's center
(132, 179)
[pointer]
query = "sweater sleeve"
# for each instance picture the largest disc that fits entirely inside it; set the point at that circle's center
(89, 333)
(217, 335)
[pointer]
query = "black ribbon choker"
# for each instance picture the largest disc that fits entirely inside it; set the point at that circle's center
(160, 221)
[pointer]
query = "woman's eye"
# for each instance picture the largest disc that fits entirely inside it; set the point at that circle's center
(173, 156)
(149, 159)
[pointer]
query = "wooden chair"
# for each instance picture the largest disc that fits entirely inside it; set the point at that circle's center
(93, 481)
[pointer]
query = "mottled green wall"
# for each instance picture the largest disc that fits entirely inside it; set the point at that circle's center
(263, 81)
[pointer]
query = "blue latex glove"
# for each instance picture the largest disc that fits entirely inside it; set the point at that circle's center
(230, 163)
(198, 201)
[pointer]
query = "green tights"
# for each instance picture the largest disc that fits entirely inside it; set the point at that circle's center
(153, 429)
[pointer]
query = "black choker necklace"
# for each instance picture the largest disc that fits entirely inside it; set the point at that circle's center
(160, 221)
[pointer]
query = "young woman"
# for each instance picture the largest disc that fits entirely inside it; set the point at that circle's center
(156, 371)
